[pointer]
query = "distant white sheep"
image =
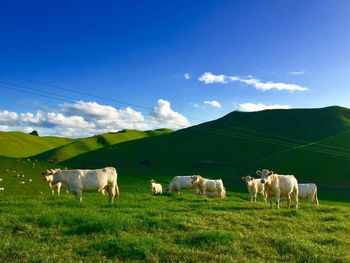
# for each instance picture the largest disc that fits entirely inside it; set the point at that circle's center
(30, 180)
(2, 189)
(155, 187)
(0, 179)
(22, 182)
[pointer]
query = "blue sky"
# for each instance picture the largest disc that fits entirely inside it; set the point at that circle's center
(237, 55)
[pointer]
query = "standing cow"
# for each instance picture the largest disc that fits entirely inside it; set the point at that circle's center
(254, 187)
(279, 186)
(77, 181)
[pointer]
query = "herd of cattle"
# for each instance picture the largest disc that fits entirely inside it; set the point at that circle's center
(272, 186)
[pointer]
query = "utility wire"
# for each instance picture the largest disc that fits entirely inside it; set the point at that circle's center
(236, 134)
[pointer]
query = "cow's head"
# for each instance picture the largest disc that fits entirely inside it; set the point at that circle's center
(151, 181)
(264, 174)
(247, 179)
(48, 175)
(195, 179)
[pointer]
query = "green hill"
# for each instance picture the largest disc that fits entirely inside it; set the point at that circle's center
(80, 146)
(18, 144)
(232, 146)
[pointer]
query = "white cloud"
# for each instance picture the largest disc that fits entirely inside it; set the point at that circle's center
(249, 107)
(187, 76)
(297, 72)
(210, 78)
(196, 105)
(82, 119)
(213, 103)
(163, 116)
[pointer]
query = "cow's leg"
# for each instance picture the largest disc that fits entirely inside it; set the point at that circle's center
(78, 195)
(255, 197)
(111, 192)
(278, 197)
(288, 201)
(58, 189)
(270, 201)
(117, 191)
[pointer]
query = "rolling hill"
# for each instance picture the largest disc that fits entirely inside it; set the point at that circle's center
(19, 144)
(80, 146)
(305, 142)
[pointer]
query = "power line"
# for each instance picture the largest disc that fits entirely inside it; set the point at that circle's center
(237, 134)
(149, 108)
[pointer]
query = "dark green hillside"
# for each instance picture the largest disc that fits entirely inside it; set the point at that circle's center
(18, 144)
(84, 145)
(230, 147)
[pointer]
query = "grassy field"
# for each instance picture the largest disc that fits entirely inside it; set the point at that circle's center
(141, 227)
(38, 227)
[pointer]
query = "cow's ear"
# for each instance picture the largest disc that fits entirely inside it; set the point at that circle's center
(243, 178)
(270, 173)
(258, 172)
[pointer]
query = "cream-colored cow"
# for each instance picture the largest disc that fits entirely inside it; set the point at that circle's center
(278, 186)
(77, 181)
(254, 187)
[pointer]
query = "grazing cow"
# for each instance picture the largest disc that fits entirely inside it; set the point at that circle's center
(216, 194)
(183, 182)
(155, 187)
(308, 191)
(208, 185)
(254, 187)
(278, 186)
(77, 181)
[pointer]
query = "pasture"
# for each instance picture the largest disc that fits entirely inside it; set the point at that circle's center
(38, 227)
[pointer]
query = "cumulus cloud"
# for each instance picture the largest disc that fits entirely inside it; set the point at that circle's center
(249, 107)
(163, 116)
(187, 76)
(213, 103)
(81, 119)
(209, 78)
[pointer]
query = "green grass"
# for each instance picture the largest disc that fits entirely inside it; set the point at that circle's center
(139, 227)
(18, 144)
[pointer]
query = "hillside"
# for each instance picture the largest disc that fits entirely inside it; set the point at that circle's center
(19, 144)
(80, 146)
(232, 146)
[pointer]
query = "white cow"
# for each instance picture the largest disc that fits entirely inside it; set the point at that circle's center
(254, 187)
(279, 186)
(308, 191)
(178, 183)
(155, 187)
(77, 181)
(49, 178)
(215, 193)
(207, 185)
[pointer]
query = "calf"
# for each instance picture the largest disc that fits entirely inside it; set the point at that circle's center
(254, 187)
(279, 186)
(155, 187)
